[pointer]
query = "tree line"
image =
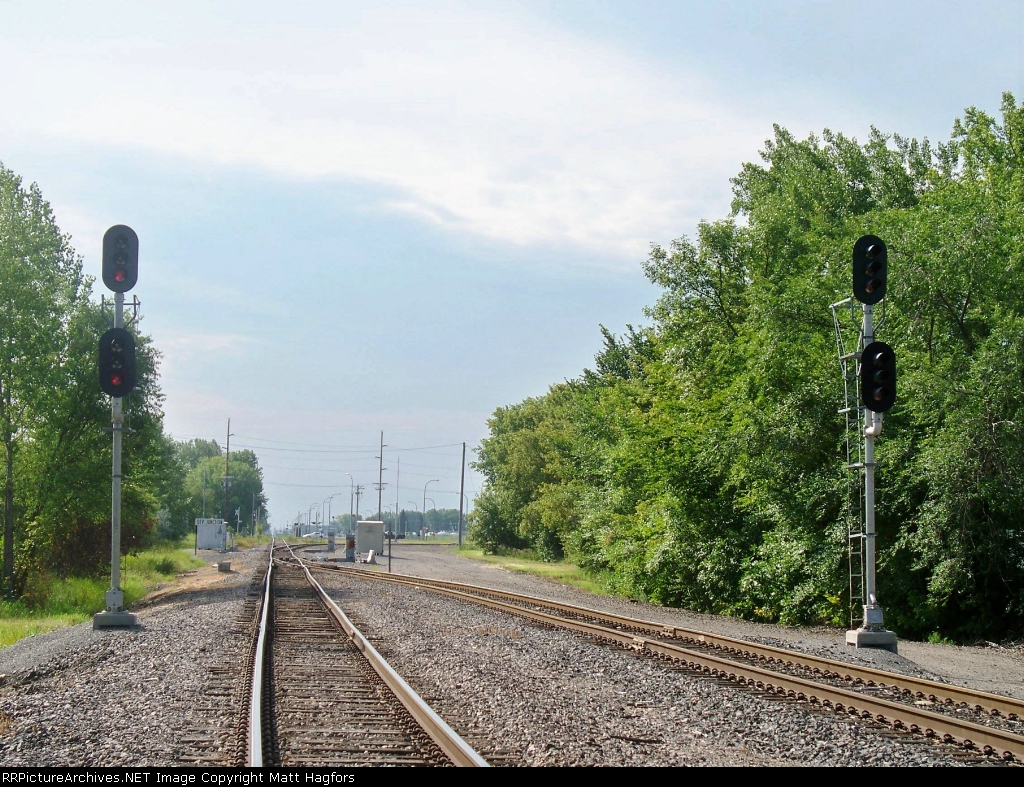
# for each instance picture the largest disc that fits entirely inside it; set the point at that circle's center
(700, 462)
(54, 420)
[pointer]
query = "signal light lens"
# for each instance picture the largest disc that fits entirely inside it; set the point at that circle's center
(116, 379)
(120, 274)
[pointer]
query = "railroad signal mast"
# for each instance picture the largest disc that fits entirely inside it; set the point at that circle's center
(117, 380)
(869, 372)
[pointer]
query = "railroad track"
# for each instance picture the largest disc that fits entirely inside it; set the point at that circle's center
(901, 702)
(320, 694)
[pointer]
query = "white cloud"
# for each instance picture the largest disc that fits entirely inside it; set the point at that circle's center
(480, 123)
(182, 348)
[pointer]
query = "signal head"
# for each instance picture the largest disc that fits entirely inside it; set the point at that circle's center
(117, 362)
(878, 377)
(870, 264)
(120, 258)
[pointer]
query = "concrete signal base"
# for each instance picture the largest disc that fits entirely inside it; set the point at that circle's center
(872, 638)
(113, 619)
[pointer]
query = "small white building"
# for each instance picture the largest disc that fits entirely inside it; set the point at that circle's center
(370, 535)
(211, 534)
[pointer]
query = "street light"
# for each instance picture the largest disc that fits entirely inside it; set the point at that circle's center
(328, 519)
(351, 498)
(433, 506)
(416, 508)
(432, 480)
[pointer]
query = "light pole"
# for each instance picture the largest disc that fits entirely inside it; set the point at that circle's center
(433, 506)
(431, 481)
(416, 508)
(328, 501)
(390, 535)
(351, 497)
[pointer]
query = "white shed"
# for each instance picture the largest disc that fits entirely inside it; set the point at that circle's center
(211, 534)
(370, 535)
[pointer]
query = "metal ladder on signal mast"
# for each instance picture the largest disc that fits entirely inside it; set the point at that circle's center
(846, 317)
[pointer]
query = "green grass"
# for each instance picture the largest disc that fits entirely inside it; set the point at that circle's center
(13, 629)
(526, 562)
(50, 603)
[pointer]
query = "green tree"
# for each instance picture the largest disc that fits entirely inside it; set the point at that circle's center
(41, 287)
(699, 462)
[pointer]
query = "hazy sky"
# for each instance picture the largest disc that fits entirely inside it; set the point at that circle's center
(358, 217)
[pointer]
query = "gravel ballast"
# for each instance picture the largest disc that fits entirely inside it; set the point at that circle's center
(523, 694)
(548, 697)
(988, 668)
(131, 697)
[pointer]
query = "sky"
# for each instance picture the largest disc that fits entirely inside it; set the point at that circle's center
(358, 218)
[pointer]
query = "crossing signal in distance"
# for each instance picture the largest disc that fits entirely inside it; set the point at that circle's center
(117, 362)
(878, 377)
(870, 265)
(120, 258)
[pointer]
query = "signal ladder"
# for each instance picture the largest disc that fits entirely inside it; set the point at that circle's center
(847, 319)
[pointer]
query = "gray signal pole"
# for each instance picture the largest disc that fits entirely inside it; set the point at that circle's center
(227, 472)
(462, 490)
(872, 632)
(115, 615)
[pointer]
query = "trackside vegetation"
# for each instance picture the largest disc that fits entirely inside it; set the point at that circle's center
(49, 602)
(700, 463)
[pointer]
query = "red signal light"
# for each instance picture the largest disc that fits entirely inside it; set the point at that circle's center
(120, 274)
(116, 379)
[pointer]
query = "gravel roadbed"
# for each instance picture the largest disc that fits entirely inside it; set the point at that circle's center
(995, 669)
(121, 697)
(540, 696)
(524, 694)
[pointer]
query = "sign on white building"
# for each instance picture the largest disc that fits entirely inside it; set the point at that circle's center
(211, 534)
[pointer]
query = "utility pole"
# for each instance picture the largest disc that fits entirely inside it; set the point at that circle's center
(351, 498)
(462, 490)
(359, 493)
(398, 480)
(380, 478)
(227, 472)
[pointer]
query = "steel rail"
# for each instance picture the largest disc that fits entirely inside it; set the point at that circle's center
(449, 741)
(254, 739)
(933, 690)
(897, 715)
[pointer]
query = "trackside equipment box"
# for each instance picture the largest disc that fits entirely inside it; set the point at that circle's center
(370, 535)
(211, 534)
